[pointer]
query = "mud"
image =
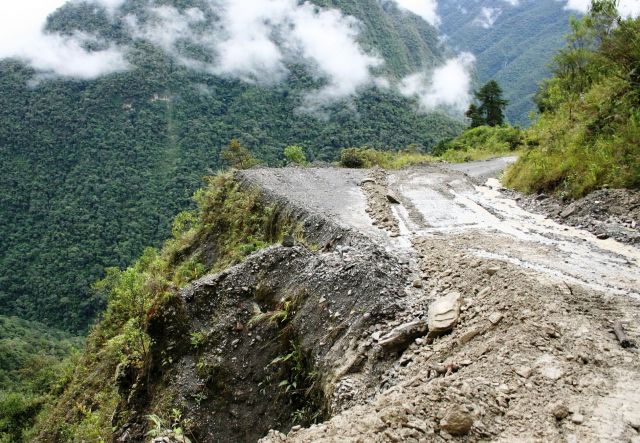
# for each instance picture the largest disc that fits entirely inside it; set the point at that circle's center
(533, 356)
(608, 213)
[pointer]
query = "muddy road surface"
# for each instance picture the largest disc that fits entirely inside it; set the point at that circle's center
(532, 355)
(450, 203)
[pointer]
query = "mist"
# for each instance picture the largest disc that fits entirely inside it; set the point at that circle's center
(427, 9)
(447, 87)
(22, 37)
(255, 41)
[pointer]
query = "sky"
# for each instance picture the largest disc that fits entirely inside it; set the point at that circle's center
(254, 42)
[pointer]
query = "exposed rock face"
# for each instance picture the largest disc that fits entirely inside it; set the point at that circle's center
(231, 376)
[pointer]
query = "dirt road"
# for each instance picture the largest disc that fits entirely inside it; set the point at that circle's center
(447, 202)
(532, 357)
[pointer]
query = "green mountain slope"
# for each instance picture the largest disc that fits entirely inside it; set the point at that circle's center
(515, 50)
(93, 171)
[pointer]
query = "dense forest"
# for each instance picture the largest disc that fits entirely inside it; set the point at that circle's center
(513, 43)
(94, 170)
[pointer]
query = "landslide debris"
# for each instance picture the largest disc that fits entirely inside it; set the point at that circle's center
(606, 213)
(529, 360)
(379, 200)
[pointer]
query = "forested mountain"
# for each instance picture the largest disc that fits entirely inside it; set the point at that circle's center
(513, 42)
(93, 170)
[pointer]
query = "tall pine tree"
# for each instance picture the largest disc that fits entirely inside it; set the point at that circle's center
(491, 109)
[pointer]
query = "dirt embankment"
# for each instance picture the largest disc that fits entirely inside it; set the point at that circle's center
(608, 213)
(421, 307)
(526, 361)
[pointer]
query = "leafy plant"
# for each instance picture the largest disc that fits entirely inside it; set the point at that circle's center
(295, 154)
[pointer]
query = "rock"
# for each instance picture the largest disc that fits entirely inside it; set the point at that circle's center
(602, 236)
(523, 371)
(391, 197)
(541, 197)
(288, 241)
(577, 419)
(456, 422)
(568, 211)
(469, 335)
(322, 300)
(559, 410)
(417, 283)
(367, 180)
(495, 318)
(401, 337)
(492, 270)
(444, 313)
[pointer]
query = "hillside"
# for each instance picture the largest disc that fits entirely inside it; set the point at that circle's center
(512, 44)
(445, 313)
(93, 170)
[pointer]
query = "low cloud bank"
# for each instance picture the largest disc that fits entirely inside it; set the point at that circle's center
(22, 37)
(253, 40)
(447, 87)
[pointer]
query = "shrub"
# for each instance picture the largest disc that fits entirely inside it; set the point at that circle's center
(295, 154)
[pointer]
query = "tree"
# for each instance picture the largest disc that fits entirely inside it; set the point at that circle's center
(475, 116)
(295, 154)
(491, 104)
(237, 156)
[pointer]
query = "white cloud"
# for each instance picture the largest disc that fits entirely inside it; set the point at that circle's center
(512, 2)
(447, 87)
(487, 17)
(627, 8)
(254, 40)
(427, 9)
(22, 36)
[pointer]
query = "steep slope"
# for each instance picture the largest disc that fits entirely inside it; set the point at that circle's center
(345, 323)
(94, 170)
(512, 44)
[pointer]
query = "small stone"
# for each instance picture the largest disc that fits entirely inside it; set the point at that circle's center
(568, 211)
(366, 316)
(495, 318)
(288, 241)
(367, 180)
(559, 410)
(469, 335)
(577, 419)
(391, 197)
(523, 371)
(417, 283)
(456, 422)
(322, 300)
(602, 236)
(492, 270)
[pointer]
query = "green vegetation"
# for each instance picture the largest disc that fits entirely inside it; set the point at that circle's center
(237, 156)
(589, 127)
(216, 236)
(31, 372)
(94, 171)
(490, 112)
(482, 143)
(368, 158)
(515, 51)
(295, 154)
